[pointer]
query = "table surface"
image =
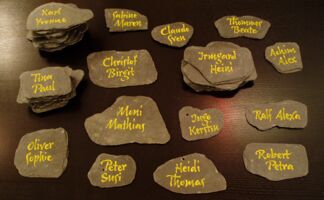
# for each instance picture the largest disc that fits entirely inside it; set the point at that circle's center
(298, 21)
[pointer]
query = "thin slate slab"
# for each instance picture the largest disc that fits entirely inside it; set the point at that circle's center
(113, 69)
(48, 88)
(121, 20)
(175, 34)
(190, 174)
(285, 57)
(199, 124)
(276, 162)
(220, 66)
(54, 26)
(285, 114)
(129, 120)
(42, 153)
(112, 171)
(244, 26)
(54, 15)
(49, 81)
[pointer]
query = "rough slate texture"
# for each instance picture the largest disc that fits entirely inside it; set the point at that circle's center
(199, 124)
(54, 26)
(112, 171)
(54, 143)
(141, 71)
(60, 81)
(147, 126)
(120, 20)
(284, 161)
(72, 15)
(231, 74)
(285, 57)
(175, 34)
(210, 180)
(286, 114)
(228, 27)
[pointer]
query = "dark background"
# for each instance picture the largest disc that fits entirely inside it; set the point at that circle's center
(298, 21)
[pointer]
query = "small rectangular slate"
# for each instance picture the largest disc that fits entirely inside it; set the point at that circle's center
(121, 20)
(113, 69)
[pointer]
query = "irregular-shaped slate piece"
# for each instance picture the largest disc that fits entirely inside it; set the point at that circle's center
(199, 124)
(54, 26)
(54, 87)
(113, 69)
(219, 64)
(190, 174)
(42, 153)
(69, 37)
(129, 120)
(49, 81)
(53, 15)
(175, 34)
(196, 80)
(244, 26)
(285, 57)
(286, 114)
(112, 171)
(120, 20)
(276, 162)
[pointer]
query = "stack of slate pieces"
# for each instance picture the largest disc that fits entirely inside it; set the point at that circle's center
(49, 88)
(54, 26)
(220, 66)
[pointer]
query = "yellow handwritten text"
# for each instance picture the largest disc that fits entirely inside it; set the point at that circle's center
(112, 171)
(273, 159)
(193, 167)
(37, 152)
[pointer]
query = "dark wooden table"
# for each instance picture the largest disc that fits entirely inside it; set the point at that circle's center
(298, 21)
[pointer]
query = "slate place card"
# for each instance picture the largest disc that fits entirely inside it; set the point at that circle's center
(217, 67)
(121, 20)
(286, 114)
(52, 16)
(218, 64)
(285, 57)
(49, 81)
(190, 174)
(129, 120)
(276, 162)
(113, 69)
(54, 26)
(175, 34)
(42, 153)
(112, 171)
(48, 88)
(199, 124)
(244, 26)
